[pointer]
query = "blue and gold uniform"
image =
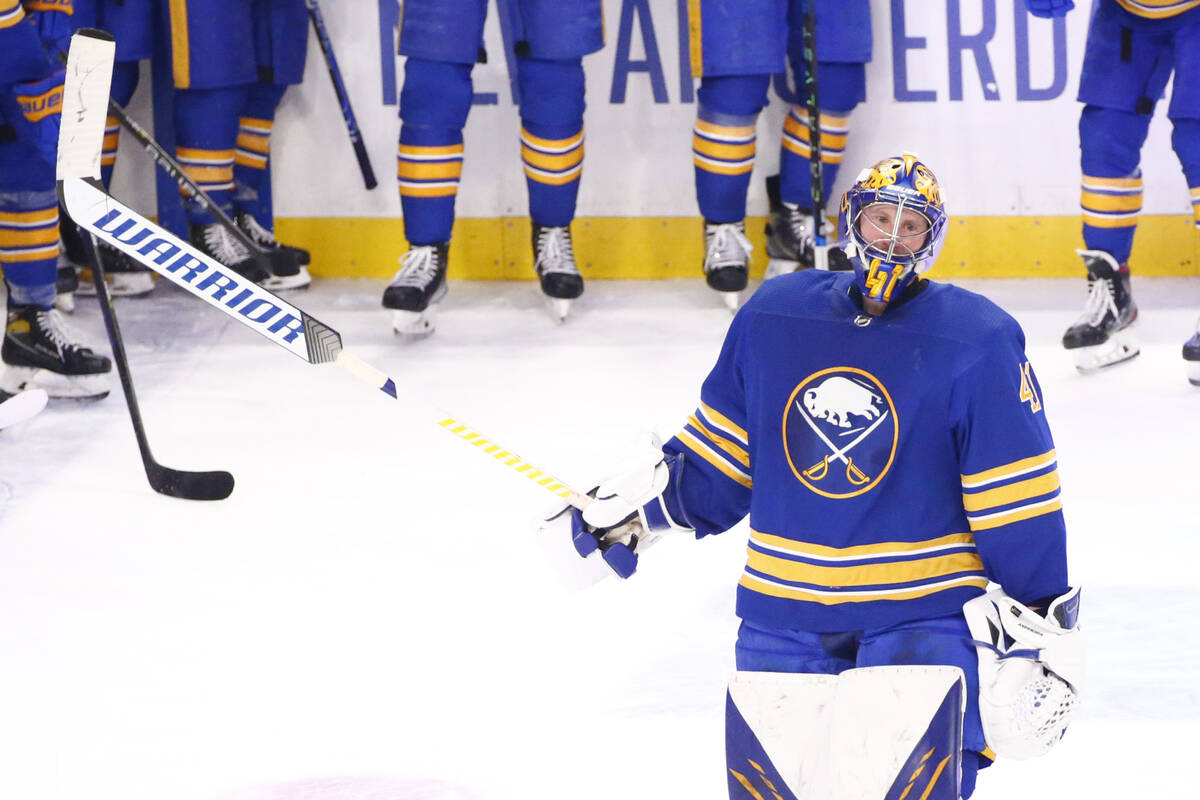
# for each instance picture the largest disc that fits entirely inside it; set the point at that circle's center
(1133, 48)
(890, 465)
(443, 39)
(736, 46)
(230, 63)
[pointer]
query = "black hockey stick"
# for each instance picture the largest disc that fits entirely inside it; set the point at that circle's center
(813, 105)
(172, 167)
(339, 86)
(215, 485)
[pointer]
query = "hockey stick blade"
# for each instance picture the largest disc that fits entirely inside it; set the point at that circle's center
(263, 311)
(214, 485)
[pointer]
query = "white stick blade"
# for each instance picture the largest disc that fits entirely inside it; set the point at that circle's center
(85, 104)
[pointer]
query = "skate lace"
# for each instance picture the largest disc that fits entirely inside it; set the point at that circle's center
(727, 246)
(56, 330)
(555, 252)
(224, 247)
(797, 222)
(257, 232)
(1100, 302)
(418, 267)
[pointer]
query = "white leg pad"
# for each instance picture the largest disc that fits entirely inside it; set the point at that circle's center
(873, 733)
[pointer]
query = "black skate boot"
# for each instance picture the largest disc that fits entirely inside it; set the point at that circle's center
(1101, 335)
(38, 353)
(727, 259)
(1191, 354)
(554, 262)
(416, 289)
(216, 242)
(288, 270)
(789, 240)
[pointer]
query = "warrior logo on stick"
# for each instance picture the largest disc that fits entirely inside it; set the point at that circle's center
(840, 432)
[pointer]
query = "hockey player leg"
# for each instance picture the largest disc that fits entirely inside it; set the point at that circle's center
(552, 155)
(434, 103)
(865, 734)
(1110, 199)
(723, 147)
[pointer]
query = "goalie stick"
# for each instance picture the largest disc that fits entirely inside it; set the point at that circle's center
(339, 87)
(171, 167)
(261, 310)
(89, 76)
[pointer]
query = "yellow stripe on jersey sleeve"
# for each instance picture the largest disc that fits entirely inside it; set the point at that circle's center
(1012, 493)
(1011, 470)
(725, 423)
(729, 447)
(989, 521)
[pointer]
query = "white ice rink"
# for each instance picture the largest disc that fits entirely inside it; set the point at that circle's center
(367, 618)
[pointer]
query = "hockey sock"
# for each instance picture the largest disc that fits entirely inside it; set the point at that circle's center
(843, 86)
(434, 103)
(1185, 138)
(552, 102)
(124, 82)
(1111, 190)
(723, 143)
(251, 160)
(795, 172)
(29, 246)
(206, 128)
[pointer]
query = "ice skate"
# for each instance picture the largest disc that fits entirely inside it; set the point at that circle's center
(789, 240)
(554, 262)
(727, 259)
(40, 353)
(1191, 354)
(124, 276)
(416, 289)
(1101, 336)
(216, 242)
(288, 264)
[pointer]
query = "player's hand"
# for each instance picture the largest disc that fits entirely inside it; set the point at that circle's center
(1049, 8)
(54, 29)
(627, 512)
(41, 105)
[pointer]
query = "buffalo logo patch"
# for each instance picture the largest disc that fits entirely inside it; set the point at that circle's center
(840, 432)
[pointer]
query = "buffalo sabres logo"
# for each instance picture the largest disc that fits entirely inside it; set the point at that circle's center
(840, 432)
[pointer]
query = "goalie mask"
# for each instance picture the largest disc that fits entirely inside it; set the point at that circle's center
(892, 224)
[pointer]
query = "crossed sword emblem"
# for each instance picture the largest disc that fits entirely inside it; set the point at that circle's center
(819, 470)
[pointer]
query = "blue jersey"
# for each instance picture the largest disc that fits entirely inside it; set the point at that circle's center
(890, 465)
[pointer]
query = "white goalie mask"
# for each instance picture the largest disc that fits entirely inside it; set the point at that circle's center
(1030, 670)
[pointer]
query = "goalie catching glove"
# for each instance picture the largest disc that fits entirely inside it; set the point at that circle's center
(1030, 670)
(627, 513)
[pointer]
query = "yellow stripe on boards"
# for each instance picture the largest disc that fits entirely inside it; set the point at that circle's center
(497, 248)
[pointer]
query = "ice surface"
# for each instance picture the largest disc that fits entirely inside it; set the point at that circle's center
(367, 617)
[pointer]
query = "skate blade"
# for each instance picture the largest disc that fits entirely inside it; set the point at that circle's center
(277, 283)
(65, 302)
(558, 308)
(779, 266)
(413, 325)
(1120, 347)
(15, 380)
(733, 300)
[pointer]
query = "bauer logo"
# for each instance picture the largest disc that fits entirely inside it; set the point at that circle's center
(218, 284)
(840, 432)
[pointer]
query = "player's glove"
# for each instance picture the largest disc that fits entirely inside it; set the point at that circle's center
(628, 512)
(1030, 670)
(1049, 8)
(41, 105)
